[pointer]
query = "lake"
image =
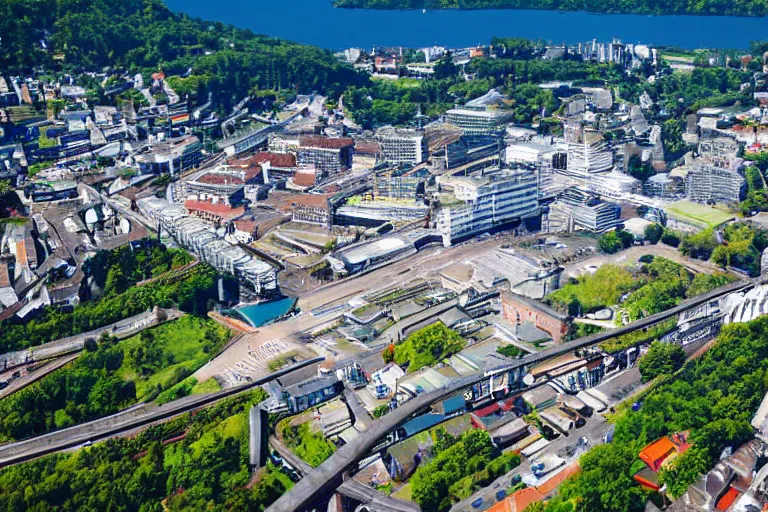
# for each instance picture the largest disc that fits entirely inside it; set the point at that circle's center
(318, 23)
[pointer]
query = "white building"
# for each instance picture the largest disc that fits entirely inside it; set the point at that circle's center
(468, 206)
(202, 239)
(402, 146)
(590, 156)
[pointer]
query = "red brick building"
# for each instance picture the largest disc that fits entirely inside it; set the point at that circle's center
(519, 310)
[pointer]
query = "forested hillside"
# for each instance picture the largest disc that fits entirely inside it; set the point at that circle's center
(145, 36)
(658, 7)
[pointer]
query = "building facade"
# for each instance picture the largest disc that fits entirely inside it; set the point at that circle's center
(518, 309)
(471, 206)
(402, 146)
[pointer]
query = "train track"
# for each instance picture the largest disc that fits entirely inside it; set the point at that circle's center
(324, 479)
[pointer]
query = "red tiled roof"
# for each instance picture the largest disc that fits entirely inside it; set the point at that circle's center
(286, 202)
(326, 142)
(367, 148)
(304, 179)
(222, 210)
(246, 226)
(214, 178)
(5, 278)
(284, 160)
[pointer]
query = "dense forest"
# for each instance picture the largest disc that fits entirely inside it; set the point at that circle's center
(657, 7)
(195, 293)
(206, 468)
(110, 376)
(145, 36)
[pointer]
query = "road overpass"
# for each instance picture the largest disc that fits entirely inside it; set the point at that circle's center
(137, 417)
(323, 480)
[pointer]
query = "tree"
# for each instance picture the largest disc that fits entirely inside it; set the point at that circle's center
(614, 241)
(609, 243)
(661, 359)
(445, 68)
(654, 232)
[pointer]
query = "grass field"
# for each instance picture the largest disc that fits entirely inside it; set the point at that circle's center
(187, 344)
(698, 214)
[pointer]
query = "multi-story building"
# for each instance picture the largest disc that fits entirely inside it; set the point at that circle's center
(477, 122)
(707, 183)
(719, 151)
(664, 186)
(402, 146)
(468, 205)
(327, 155)
(201, 238)
(172, 156)
(590, 156)
(580, 209)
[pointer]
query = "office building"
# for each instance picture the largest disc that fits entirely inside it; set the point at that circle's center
(327, 155)
(583, 210)
(477, 122)
(201, 238)
(468, 206)
(401, 146)
(706, 183)
(589, 156)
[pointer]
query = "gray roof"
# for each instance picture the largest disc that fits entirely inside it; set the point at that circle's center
(312, 385)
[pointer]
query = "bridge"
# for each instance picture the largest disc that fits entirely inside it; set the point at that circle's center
(323, 480)
(136, 417)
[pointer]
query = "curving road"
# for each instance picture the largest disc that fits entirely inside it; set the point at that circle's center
(323, 480)
(139, 416)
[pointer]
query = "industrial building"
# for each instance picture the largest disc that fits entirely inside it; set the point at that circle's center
(200, 238)
(402, 146)
(580, 209)
(471, 205)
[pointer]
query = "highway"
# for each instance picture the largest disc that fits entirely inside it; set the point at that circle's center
(323, 480)
(139, 416)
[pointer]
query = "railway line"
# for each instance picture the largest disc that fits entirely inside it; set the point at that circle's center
(137, 417)
(323, 480)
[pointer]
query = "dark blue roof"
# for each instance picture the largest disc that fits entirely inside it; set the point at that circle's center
(454, 404)
(421, 423)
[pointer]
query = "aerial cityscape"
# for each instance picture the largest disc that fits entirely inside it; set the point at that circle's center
(378, 265)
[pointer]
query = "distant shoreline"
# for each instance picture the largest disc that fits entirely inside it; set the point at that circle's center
(761, 9)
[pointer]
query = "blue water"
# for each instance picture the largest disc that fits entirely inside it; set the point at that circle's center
(316, 22)
(264, 313)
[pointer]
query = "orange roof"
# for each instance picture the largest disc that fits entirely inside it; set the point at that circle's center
(326, 142)
(518, 501)
(554, 482)
(222, 210)
(655, 453)
(727, 500)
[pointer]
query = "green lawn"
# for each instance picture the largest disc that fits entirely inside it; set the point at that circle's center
(698, 214)
(187, 344)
